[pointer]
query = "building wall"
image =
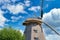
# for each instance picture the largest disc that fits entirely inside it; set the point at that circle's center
(37, 35)
(33, 31)
(28, 32)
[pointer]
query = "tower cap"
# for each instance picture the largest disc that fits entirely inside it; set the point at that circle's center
(32, 20)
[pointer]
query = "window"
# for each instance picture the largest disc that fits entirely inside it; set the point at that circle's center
(35, 31)
(35, 38)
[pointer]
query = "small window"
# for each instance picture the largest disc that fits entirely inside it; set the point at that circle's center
(35, 31)
(35, 38)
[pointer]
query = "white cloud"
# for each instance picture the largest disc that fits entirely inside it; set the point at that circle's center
(53, 37)
(2, 18)
(34, 8)
(4, 1)
(53, 15)
(52, 18)
(14, 19)
(27, 3)
(56, 14)
(7, 1)
(15, 9)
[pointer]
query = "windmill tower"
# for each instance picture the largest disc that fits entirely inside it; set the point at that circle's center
(33, 29)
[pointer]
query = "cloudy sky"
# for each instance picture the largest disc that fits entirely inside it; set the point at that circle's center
(15, 12)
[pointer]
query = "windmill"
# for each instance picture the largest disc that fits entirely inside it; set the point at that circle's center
(34, 30)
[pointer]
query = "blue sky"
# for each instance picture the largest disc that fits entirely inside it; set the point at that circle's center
(15, 12)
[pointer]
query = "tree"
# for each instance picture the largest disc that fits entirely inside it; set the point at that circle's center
(10, 34)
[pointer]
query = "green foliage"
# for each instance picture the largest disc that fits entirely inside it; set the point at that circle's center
(11, 34)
